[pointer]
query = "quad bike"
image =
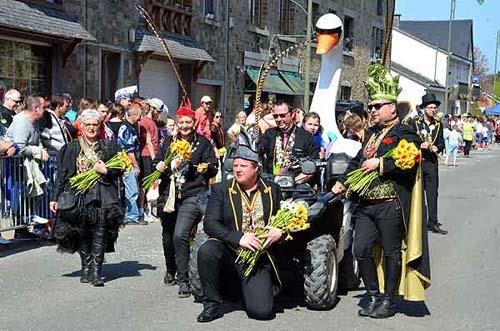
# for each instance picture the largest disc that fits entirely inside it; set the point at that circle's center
(318, 254)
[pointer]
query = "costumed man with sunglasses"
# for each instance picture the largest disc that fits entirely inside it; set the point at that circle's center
(430, 130)
(383, 216)
(285, 143)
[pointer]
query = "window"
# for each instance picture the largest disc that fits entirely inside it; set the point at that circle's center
(285, 18)
(24, 67)
(348, 33)
(209, 7)
(255, 8)
(345, 93)
(377, 41)
(380, 10)
(110, 74)
(316, 11)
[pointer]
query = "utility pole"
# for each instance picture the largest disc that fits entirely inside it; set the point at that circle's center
(307, 67)
(452, 16)
(495, 71)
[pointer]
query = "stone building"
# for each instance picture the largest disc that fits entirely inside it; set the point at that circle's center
(93, 47)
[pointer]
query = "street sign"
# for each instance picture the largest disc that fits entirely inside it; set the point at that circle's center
(476, 79)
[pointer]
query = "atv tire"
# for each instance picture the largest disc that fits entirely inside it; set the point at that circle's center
(194, 276)
(321, 273)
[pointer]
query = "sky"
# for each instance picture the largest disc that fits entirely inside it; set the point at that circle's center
(486, 19)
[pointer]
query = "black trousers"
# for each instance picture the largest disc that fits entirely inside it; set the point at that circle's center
(468, 145)
(214, 257)
(430, 175)
(382, 223)
(176, 229)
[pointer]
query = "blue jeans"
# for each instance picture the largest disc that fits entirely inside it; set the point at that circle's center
(131, 195)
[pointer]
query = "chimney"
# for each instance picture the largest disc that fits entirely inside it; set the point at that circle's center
(397, 18)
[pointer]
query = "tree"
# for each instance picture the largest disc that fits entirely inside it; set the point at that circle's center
(480, 63)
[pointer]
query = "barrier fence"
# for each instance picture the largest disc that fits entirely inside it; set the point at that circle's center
(19, 209)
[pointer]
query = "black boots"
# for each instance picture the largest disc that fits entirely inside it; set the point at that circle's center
(98, 249)
(210, 313)
(380, 306)
(85, 273)
(85, 256)
(435, 228)
(169, 278)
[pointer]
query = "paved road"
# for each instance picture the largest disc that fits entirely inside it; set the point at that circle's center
(39, 288)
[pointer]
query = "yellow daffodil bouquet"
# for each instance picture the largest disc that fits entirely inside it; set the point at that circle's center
(291, 217)
(87, 179)
(179, 148)
(405, 156)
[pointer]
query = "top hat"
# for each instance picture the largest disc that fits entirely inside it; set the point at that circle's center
(429, 98)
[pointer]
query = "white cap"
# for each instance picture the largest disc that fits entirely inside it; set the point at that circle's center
(13, 94)
(158, 104)
(206, 99)
(128, 92)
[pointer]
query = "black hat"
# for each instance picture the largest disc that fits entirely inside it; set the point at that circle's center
(429, 98)
(246, 153)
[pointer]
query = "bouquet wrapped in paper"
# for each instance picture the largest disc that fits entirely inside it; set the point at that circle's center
(405, 156)
(291, 217)
(87, 179)
(179, 148)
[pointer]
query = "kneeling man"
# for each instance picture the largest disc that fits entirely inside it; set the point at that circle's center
(235, 209)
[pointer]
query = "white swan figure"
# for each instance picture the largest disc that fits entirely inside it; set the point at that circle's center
(330, 47)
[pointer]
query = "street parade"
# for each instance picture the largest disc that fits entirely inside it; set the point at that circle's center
(263, 165)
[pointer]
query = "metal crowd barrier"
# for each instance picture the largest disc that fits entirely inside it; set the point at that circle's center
(17, 208)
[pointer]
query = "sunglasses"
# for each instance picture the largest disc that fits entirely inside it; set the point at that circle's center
(276, 116)
(217, 116)
(377, 106)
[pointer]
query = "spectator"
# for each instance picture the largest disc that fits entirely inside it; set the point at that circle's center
(299, 116)
(454, 141)
(239, 122)
(7, 147)
(467, 135)
(128, 140)
(148, 141)
(117, 114)
(85, 103)
(9, 107)
(203, 117)
(25, 132)
(72, 113)
(104, 111)
(124, 96)
(166, 127)
(354, 127)
(312, 124)
(56, 128)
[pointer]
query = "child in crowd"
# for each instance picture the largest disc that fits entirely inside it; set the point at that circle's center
(454, 141)
(312, 124)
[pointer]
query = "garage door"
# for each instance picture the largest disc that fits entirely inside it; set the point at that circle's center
(157, 80)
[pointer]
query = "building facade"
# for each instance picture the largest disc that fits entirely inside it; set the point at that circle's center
(418, 56)
(92, 48)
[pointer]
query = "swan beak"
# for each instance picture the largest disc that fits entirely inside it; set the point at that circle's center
(326, 41)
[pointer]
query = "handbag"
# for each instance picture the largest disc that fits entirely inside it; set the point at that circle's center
(69, 207)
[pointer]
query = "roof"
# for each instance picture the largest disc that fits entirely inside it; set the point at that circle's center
(436, 33)
(184, 49)
(400, 70)
(39, 19)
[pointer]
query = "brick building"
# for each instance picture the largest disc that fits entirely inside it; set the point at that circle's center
(92, 47)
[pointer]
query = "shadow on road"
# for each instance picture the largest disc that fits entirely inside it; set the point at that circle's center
(124, 269)
(23, 245)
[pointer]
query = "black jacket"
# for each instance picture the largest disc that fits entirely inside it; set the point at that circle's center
(436, 136)
(6, 116)
(66, 168)
(223, 217)
(304, 146)
(203, 152)
(404, 179)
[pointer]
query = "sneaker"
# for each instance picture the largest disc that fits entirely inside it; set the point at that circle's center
(136, 222)
(184, 290)
(40, 220)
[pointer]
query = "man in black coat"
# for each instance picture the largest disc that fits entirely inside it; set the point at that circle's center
(234, 210)
(281, 145)
(430, 130)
